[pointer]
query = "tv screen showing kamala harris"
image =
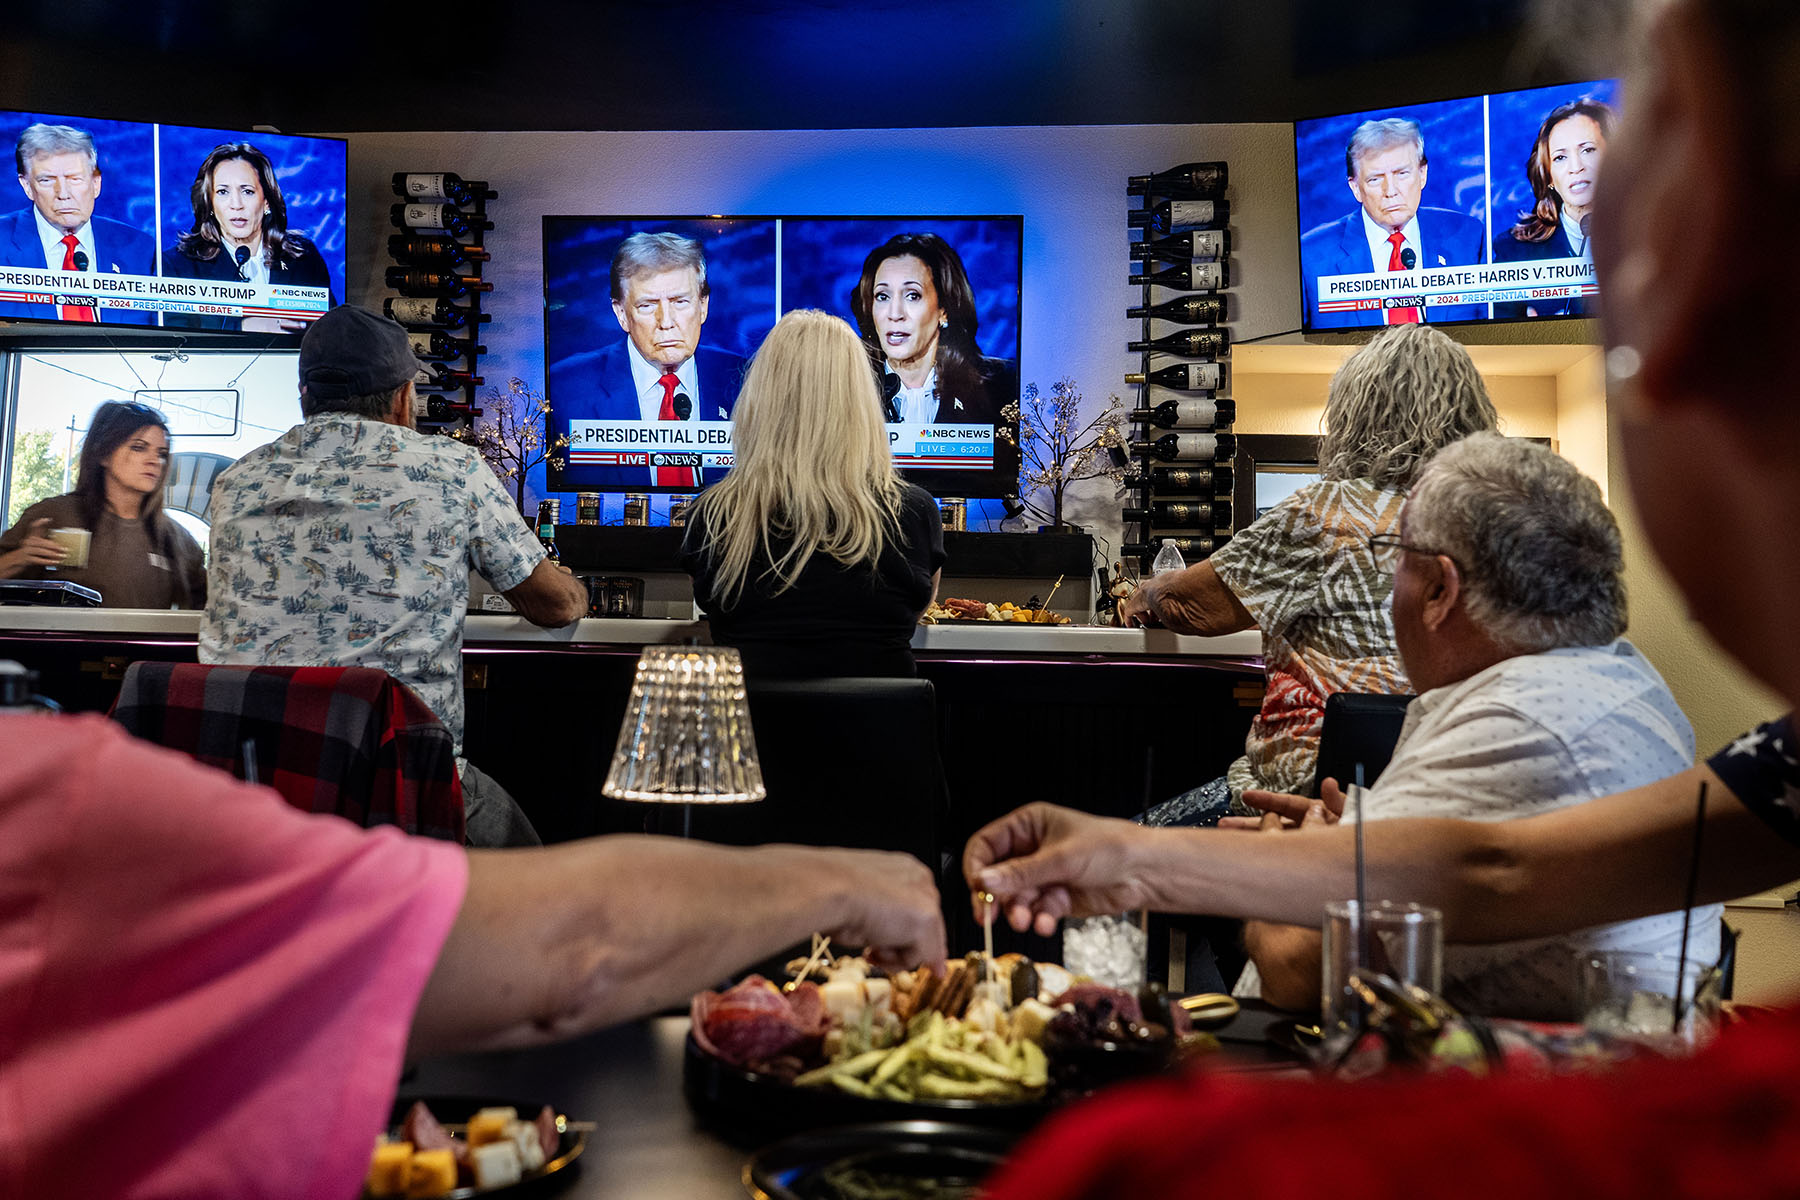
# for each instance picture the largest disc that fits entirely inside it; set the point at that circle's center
(138, 223)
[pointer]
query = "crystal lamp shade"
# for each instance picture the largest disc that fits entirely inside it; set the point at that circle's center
(686, 737)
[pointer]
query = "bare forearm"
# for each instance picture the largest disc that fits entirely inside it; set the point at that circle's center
(1611, 859)
(1287, 957)
(571, 938)
(1196, 601)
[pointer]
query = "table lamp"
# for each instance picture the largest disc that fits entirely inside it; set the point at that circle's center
(686, 738)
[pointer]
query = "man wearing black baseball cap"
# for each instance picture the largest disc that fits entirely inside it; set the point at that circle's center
(348, 541)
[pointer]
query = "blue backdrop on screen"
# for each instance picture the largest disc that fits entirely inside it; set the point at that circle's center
(126, 154)
(822, 260)
(578, 251)
(1456, 177)
(1513, 120)
(310, 172)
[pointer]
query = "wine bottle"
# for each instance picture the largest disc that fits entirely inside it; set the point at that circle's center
(1191, 343)
(437, 375)
(1179, 216)
(1194, 276)
(441, 410)
(1191, 447)
(1190, 546)
(433, 252)
(1189, 181)
(1201, 244)
(409, 281)
(1183, 514)
(1186, 377)
(546, 528)
(429, 343)
(439, 187)
(436, 218)
(429, 312)
(1187, 414)
(1183, 310)
(1165, 481)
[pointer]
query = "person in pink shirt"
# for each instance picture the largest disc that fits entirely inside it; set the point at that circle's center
(207, 993)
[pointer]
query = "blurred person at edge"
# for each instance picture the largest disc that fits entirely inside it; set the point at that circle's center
(1706, 159)
(137, 556)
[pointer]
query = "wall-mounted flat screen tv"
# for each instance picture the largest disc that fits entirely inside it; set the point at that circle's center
(630, 300)
(1476, 209)
(132, 223)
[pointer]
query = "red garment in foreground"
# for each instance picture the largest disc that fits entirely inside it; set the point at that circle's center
(203, 993)
(1725, 1123)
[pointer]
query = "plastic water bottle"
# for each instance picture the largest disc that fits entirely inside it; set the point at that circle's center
(16, 693)
(1168, 559)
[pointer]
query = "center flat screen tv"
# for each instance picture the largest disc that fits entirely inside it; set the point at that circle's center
(1454, 211)
(605, 357)
(134, 223)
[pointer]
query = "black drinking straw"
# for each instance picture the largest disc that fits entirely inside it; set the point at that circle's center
(1363, 944)
(1687, 906)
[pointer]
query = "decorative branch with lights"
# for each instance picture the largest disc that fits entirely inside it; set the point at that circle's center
(509, 434)
(1056, 448)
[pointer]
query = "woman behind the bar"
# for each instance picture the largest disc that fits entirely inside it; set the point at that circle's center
(240, 234)
(1564, 170)
(137, 556)
(813, 557)
(916, 312)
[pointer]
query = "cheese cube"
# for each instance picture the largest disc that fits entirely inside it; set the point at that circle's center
(489, 1125)
(389, 1169)
(531, 1150)
(433, 1173)
(496, 1164)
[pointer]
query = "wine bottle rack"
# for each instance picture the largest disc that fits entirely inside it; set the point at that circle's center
(474, 206)
(1190, 258)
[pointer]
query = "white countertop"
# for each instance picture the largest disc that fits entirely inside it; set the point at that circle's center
(484, 629)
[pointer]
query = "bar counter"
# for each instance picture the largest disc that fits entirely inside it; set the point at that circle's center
(490, 629)
(1101, 719)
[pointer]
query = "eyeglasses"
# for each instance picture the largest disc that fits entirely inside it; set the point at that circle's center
(1386, 548)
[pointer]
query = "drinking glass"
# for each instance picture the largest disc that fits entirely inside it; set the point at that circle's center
(1635, 993)
(1403, 941)
(1109, 949)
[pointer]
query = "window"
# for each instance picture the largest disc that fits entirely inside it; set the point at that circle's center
(218, 405)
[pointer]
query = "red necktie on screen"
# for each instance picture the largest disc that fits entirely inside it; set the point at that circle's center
(73, 312)
(671, 476)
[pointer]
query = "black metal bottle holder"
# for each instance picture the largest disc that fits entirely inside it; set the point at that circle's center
(477, 210)
(1146, 433)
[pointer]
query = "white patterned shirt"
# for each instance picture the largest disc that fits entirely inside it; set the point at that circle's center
(347, 542)
(1528, 735)
(1305, 572)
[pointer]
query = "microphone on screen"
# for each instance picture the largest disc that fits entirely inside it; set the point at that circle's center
(243, 256)
(683, 405)
(81, 260)
(890, 387)
(1408, 259)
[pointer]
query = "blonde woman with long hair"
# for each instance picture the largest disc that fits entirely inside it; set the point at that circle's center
(813, 557)
(1304, 572)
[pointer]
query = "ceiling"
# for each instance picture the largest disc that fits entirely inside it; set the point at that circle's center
(340, 66)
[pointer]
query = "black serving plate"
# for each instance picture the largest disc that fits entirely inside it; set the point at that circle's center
(936, 1157)
(751, 1109)
(557, 1172)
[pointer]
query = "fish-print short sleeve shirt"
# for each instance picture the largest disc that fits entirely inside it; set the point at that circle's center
(348, 542)
(1305, 572)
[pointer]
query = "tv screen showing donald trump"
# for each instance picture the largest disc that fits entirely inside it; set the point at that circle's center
(652, 324)
(1474, 209)
(128, 223)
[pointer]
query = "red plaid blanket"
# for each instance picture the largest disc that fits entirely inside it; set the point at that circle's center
(344, 740)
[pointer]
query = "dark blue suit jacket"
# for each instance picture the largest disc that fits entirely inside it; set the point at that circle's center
(1509, 249)
(122, 250)
(1340, 248)
(597, 386)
